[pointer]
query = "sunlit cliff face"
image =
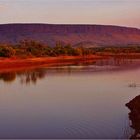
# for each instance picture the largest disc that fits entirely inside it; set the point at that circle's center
(116, 12)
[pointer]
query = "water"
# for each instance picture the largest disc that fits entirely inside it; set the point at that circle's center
(76, 101)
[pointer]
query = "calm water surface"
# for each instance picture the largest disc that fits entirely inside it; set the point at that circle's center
(76, 101)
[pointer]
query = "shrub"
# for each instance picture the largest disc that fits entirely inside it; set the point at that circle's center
(7, 51)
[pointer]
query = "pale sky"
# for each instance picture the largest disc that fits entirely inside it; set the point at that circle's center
(111, 12)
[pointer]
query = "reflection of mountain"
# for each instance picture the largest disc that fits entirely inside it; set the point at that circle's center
(77, 35)
(134, 116)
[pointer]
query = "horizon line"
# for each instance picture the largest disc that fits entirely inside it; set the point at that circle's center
(89, 24)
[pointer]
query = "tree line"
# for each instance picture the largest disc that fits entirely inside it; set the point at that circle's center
(30, 48)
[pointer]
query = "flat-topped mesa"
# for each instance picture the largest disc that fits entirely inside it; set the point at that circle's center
(68, 28)
(92, 35)
(134, 116)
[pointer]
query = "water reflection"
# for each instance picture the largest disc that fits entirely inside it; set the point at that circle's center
(26, 76)
(134, 116)
(74, 101)
(8, 77)
(29, 76)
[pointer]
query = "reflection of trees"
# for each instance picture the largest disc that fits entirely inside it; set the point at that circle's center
(31, 76)
(28, 76)
(8, 77)
(134, 116)
(115, 62)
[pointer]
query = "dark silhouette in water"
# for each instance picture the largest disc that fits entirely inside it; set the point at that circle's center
(8, 77)
(26, 77)
(134, 116)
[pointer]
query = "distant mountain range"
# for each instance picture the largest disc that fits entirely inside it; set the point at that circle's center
(77, 35)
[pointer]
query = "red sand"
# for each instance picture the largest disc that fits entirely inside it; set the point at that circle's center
(7, 64)
(18, 63)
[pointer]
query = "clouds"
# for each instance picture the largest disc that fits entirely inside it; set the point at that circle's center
(118, 12)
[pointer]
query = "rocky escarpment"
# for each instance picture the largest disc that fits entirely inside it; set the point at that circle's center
(86, 35)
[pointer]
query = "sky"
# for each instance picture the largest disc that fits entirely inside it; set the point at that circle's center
(105, 12)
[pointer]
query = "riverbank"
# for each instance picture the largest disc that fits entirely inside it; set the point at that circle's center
(7, 64)
(19, 63)
(120, 55)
